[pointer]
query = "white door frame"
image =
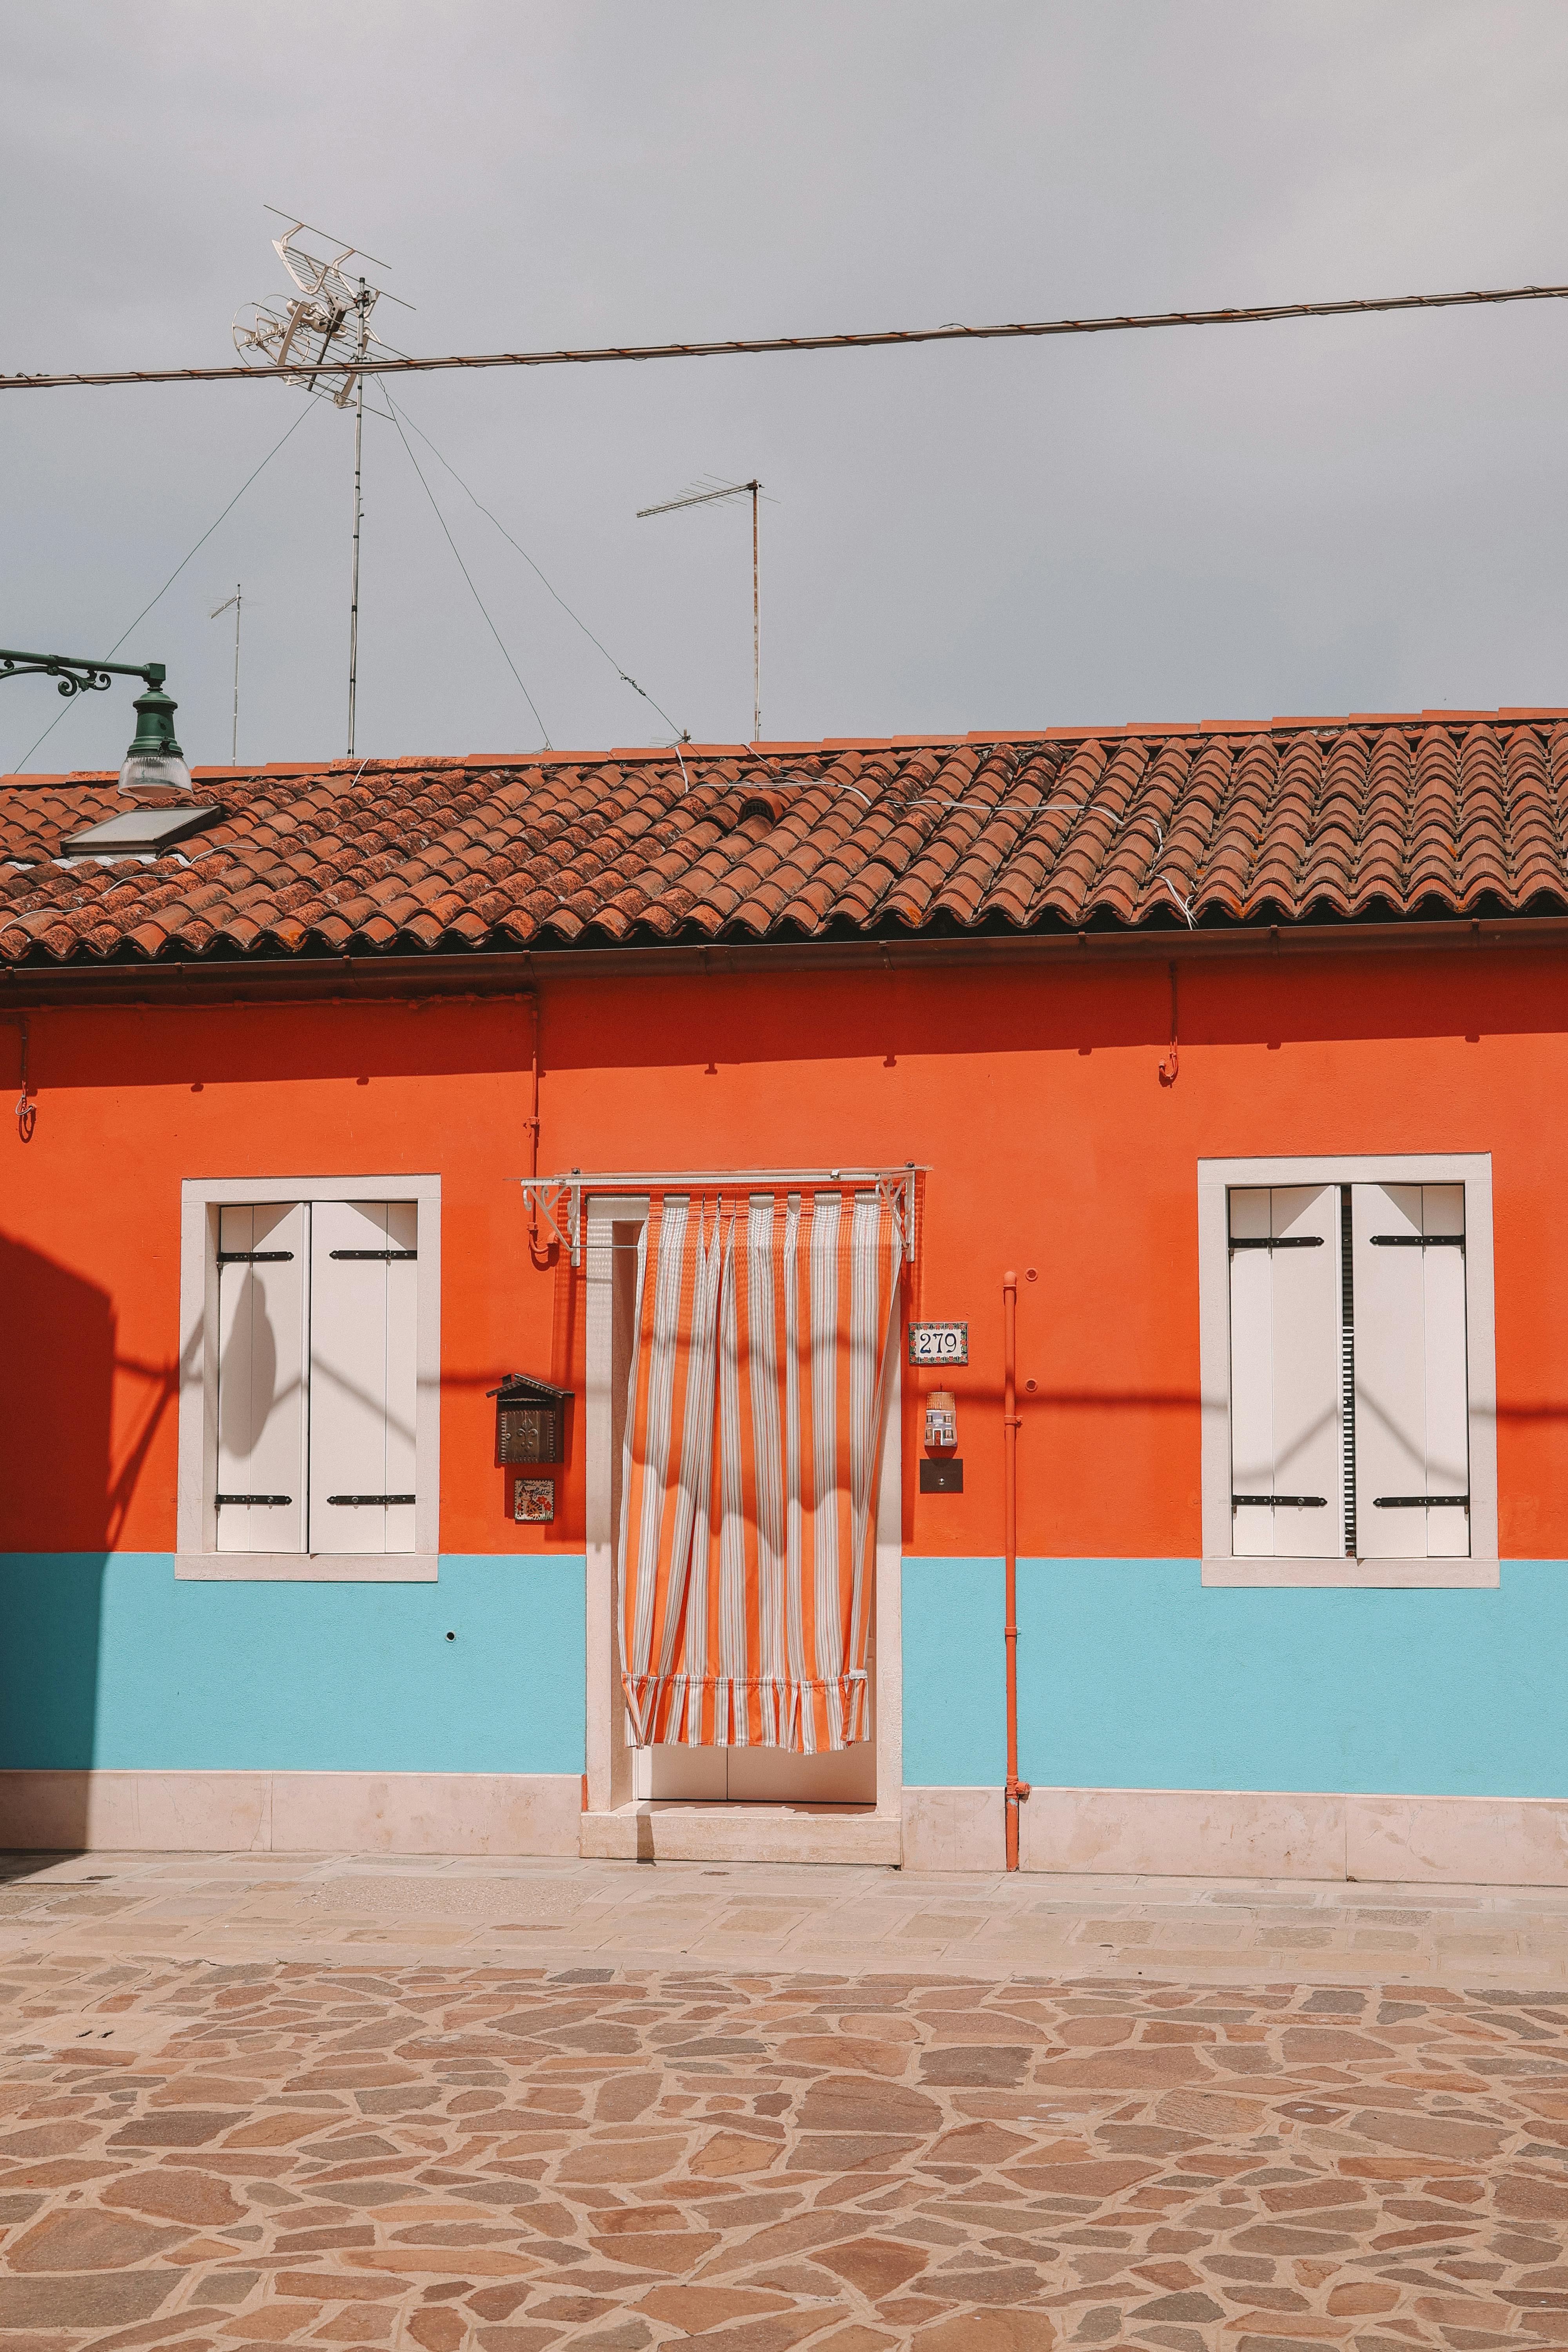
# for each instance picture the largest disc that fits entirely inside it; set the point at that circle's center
(609, 1758)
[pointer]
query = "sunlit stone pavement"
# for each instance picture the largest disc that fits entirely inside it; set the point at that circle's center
(263, 2100)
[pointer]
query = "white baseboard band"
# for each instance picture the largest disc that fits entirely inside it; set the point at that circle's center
(1099, 1832)
(291, 1813)
(1242, 1834)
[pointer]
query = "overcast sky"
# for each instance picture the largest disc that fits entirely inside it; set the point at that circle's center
(1238, 523)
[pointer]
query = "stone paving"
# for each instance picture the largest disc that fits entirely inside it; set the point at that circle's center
(312, 1907)
(506, 2148)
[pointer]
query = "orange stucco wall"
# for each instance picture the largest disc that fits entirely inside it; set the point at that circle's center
(1032, 1096)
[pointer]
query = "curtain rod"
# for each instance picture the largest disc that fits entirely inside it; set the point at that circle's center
(555, 1197)
(635, 1178)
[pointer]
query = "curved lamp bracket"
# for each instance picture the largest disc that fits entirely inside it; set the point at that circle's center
(76, 675)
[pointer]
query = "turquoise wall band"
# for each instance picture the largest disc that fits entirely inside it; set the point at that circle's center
(1131, 1675)
(955, 1684)
(107, 1660)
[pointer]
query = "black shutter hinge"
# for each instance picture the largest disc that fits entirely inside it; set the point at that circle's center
(1285, 1241)
(1291, 1501)
(1420, 1502)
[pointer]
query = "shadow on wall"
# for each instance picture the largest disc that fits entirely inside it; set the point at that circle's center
(57, 1383)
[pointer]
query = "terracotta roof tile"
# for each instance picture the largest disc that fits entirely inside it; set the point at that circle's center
(1265, 821)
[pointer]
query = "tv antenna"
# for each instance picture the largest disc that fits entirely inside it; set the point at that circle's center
(707, 497)
(215, 615)
(326, 321)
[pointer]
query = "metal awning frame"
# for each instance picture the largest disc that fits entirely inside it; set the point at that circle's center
(558, 1200)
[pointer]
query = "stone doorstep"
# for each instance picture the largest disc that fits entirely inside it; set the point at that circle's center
(666, 1831)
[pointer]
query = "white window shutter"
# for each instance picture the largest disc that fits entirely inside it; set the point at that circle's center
(1285, 1372)
(1447, 1374)
(262, 1376)
(1411, 1379)
(363, 1375)
(1251, 1376)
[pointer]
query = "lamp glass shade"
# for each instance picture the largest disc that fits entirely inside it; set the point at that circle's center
(154, 776)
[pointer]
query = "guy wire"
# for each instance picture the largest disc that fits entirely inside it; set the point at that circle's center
(463, 567)
(168, 584)
(625, 676)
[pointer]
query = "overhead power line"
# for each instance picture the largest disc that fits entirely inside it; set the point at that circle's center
(395, 364)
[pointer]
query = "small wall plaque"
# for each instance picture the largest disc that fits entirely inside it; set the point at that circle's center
(939, 1343)
(534, 1499)
(943, 1478)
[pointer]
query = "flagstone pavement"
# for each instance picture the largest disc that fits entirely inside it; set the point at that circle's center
(263, 2100)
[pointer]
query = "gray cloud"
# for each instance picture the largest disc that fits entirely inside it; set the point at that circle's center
(1230, 523)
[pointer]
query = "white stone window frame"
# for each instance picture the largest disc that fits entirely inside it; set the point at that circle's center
(197, 1556)
(1217, 1180)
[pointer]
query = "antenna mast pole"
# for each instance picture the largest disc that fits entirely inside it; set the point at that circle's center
(265, 333)
(234, 743)
(217, 614)
(353, 594)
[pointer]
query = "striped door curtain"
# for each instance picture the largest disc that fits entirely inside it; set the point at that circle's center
(754, 1434)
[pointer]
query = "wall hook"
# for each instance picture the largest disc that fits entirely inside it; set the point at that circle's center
(27, 1112)
(1172, 1061)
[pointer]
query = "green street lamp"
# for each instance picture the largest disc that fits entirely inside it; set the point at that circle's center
(154, 770)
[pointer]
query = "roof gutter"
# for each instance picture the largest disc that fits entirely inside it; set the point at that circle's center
(436, 977)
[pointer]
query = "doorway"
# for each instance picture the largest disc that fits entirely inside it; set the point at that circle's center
(620, 1774)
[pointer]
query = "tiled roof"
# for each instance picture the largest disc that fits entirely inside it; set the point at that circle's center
(1282, 821)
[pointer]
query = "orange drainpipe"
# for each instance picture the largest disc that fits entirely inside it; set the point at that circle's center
(532, 1123)
(1015, 1788)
